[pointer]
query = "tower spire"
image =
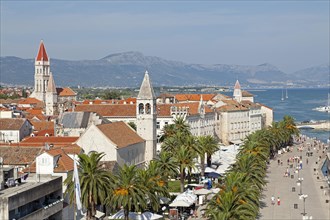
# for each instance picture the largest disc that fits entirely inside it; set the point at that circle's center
(51, 84)
(146, 90)
(42, 54)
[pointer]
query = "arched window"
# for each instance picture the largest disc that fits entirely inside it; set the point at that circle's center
(148, 108)
(141, 108)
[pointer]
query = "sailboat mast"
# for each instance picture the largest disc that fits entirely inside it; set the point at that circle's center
(286, 92)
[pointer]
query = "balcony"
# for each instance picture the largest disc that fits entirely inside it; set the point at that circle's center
(44, 212)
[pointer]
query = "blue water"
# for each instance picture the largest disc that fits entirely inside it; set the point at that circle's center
(299, 105)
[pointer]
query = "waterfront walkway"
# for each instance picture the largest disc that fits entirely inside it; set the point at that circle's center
(291, 206)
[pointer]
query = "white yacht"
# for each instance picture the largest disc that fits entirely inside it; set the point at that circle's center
(325, 108)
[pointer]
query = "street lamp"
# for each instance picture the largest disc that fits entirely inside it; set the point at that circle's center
(304, 197)
(299, 183)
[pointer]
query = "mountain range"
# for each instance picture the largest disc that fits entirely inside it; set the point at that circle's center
(127, 69)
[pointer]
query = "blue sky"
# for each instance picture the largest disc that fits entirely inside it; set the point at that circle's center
(290, 35)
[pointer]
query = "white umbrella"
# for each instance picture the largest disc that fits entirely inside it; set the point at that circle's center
(150, 216)
(121, 215)
(209, 170)
(180, 203)
(202, 192)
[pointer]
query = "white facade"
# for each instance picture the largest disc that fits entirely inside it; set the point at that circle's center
(94, 140)
(17, 134)
(6, 114)
(146, 117)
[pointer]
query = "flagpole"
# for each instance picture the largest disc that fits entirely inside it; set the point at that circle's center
(74, 190)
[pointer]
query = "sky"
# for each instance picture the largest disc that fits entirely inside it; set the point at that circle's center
(291, 35)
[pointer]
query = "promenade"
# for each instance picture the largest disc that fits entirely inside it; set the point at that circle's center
(291, 206)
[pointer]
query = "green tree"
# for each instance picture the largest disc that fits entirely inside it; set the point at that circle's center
(94, 182)
(128, 190)
(184, 158)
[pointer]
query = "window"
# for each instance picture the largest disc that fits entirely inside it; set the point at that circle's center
(141, 108)
(158, 124)
(148, 108)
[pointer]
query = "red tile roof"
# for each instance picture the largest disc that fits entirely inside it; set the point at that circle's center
(42, 125)
(34, 111)
(50, 132)
(65, 92)
(120, 134)
(42, 55)
(29, 101)
(109, 110)
(246, 94)
(64, 163)
(164, 110)
(11, 123)
(193, 97)
(19, 155)
(42, 140)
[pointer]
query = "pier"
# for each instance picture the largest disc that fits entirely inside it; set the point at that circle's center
(321, 125)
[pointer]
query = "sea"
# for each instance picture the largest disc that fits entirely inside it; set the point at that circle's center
(299, 105)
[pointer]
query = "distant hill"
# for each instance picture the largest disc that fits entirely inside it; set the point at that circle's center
(127, 69)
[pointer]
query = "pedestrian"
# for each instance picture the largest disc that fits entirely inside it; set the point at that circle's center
(288, 161)
(192, 213)
(203, 213)
(273, 200)
(278, 162)
(306, 161)
(195, 213)
(281, 162)
(278, 201)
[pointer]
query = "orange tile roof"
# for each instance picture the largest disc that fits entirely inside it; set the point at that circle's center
(164, 110)
(19, 155)
(42, 55)
(120, 134)
(65, 92)
(29, 101)
(42, 140)
(193, 97)
(34, 111)
(11, 123)
(64, 163)
(246, 94)
(42, 125)
(72, 149)
(50, 132)
(109, 110)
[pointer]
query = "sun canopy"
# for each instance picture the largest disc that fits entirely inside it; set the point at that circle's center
(136, 216)
(202, 192)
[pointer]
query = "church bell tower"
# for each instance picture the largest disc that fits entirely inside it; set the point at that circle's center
(146, 117)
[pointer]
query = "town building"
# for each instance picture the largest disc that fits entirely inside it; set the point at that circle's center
(55, 100)
(13, 130)
(119, 142)
(76, 123)
(29, 198)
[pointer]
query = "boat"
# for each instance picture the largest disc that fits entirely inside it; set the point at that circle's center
(325, 108)
(286, 93)
(282, 96)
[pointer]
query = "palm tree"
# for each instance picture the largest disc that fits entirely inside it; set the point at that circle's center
(154, 180)
(166, 164)
(232, 202)
(179, 126)
(94, 181)
(201, 148)
(212, 146)
(184, 158)
(128, 190)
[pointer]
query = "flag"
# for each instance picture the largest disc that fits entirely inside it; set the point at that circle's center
(77, 185)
